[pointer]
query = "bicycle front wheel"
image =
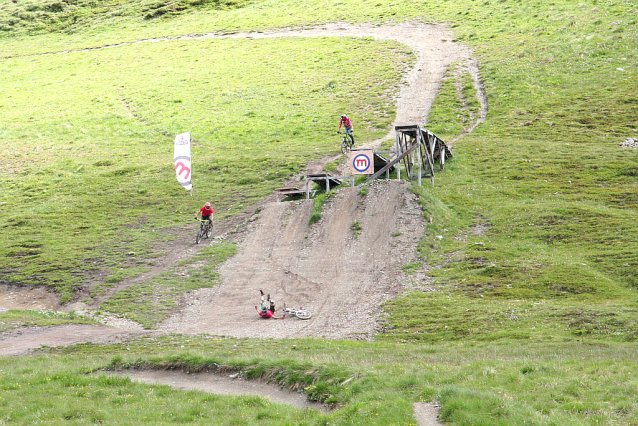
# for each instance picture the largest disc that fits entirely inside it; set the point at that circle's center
(199, 236)
(303, 314)
(345, 147)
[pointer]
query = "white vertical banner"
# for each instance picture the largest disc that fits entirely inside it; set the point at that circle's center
(182, 160)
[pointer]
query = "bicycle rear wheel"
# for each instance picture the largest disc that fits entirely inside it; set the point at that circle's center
(209, 230)
(303, 314)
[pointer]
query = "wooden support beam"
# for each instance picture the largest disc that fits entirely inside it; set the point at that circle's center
(392, 163)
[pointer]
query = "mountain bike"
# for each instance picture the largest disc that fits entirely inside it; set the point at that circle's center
(346, 144)
(303, 314)
(205, 230)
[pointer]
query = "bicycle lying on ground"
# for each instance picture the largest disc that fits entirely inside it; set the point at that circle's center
(346, 144)
(205, 230)
(303, 314)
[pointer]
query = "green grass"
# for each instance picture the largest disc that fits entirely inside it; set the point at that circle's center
(317, 208)
(531, 229)
(481, 383)
(98, 145)
(15, 318)
(150, 301)
(35, 16)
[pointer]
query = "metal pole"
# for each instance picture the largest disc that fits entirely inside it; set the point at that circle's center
(420, 154)
(398, 149)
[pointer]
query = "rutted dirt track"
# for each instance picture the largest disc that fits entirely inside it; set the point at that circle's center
(342, 275)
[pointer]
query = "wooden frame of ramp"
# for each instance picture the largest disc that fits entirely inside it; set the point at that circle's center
(423, 153)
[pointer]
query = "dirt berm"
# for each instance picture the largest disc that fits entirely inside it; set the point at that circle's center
(341, 268)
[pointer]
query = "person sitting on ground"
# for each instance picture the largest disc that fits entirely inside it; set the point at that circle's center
(267, 307)
(207, 212)
(347, 127)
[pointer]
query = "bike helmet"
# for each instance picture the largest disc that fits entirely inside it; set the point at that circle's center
(207, 205)
(343, 116)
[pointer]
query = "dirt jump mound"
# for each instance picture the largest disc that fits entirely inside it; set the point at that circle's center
(342, 268)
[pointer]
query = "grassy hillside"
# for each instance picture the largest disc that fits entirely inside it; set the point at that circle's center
(92, 158)
(533, 229)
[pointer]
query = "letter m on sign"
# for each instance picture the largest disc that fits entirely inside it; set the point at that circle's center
(182, 160)
(182, 169)
(362, 162)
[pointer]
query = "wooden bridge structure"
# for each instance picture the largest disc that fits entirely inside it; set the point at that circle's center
(421, 152)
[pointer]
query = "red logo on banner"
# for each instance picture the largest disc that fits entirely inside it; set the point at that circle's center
(183, 169)
(361, 162)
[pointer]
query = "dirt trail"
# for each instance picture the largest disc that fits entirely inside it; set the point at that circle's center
(342, 275)
(432, 43)
(23, 340)
(221, 385)
(435, 50)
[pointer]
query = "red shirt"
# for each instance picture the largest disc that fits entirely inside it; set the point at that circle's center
(206, 211)
(345, 121)
(266, 314)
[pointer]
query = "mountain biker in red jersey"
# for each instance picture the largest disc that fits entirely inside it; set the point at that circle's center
(267, 307)
(347, 126)
(207, 212)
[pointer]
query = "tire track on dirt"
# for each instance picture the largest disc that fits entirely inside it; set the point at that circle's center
(341, 276)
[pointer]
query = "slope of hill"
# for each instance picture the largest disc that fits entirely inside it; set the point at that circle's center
(530, 243)
(342, 268)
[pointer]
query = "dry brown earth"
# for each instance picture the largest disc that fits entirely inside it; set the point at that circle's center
(341, 275)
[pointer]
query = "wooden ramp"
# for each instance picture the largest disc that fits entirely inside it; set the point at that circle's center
(422, 152)
(325, 180)
(380, 161)
(289, 191)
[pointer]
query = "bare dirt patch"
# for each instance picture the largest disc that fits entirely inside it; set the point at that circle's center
(426, 413)
(342, 275)
(221, 385)
(35, 298)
